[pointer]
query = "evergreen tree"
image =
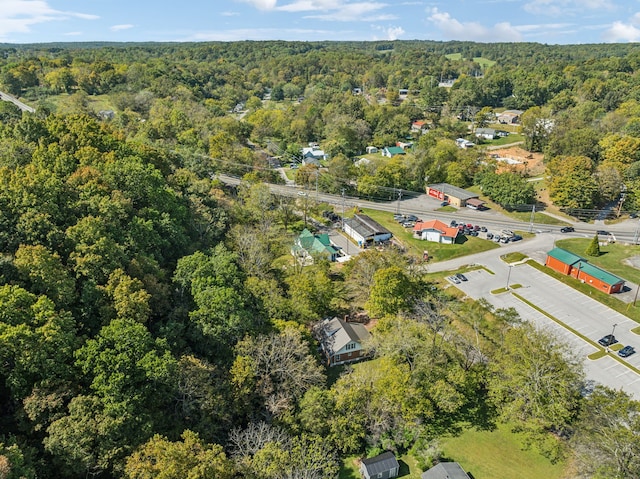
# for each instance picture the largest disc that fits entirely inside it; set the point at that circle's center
(594, 247)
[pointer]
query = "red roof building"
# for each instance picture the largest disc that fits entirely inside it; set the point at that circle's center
(436, 231)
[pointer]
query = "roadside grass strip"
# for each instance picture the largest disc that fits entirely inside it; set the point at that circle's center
(581, 336)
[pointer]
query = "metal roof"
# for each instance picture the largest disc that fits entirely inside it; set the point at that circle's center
(335, 334)
(366, 226)
(454, 191)
(445, 470)
(567, 257)
(381, 463)
(600, 274)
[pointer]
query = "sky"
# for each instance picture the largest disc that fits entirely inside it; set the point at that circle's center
(541, 21)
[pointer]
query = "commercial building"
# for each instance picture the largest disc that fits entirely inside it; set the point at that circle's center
(452, 194)
(573, 265)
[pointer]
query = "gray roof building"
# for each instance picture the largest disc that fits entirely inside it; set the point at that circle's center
(364, 229)
(445, 470)
(383, 466)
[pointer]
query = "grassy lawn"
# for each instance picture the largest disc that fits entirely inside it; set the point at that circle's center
(498, 454)
(506, 140)
(484, 62)
(454, 56)
(537, 218)
(437, 252)
(513, 257)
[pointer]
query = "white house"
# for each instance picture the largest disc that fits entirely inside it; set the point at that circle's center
(313, 152)
(435, 231)
(485, 133)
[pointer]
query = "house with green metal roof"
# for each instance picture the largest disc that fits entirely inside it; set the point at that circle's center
(308, 246)
(392, 151)
(571, 264)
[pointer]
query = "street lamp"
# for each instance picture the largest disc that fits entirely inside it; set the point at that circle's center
(509, 276)
(611, 338)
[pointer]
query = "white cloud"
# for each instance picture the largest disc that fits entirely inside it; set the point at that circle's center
(361, 11)
(311, 5)
(453, 29)
(621, 32)
(17, 16)
(264, 34)
(557, 8)
(391, 33)
(261, 4)
(229, 14)
(117, 28)
(72, 34)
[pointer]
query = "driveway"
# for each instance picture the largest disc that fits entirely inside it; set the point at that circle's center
(577, 310)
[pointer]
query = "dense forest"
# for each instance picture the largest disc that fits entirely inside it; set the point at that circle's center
(153, 322)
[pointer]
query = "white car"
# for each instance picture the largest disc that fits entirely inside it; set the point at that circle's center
(301, 193)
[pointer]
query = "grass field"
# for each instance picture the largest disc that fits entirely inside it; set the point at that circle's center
(484, 62)
(498, 454)
(437, 252)
(505, 140)
(537, 218)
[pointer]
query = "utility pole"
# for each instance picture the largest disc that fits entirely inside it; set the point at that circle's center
(348, 240)
(398, 206)
(533, 213)
(317, 171)
(508, 277)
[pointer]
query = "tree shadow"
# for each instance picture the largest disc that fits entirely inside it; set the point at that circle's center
(404, 468)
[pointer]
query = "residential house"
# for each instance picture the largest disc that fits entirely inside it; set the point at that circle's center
(107, 114)
(383, 466)
(365, 231)
(571, 264)
(341, 341)
(390, 151)
(308, 246)
(405, 144)
(313, 151)
(486, 133)
(509, 117)
(371, 149)
(436, 231)
(445, 470)
(420, 126)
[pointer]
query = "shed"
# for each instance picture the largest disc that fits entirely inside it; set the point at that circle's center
(392, 151)
(383, 466)
(573, 265)
(366, 231)
(445, 470)
(455, 196)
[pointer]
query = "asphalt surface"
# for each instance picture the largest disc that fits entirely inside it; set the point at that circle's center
(577, 310)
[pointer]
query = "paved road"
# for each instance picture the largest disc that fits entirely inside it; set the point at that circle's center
(579, 311)
(6, 97)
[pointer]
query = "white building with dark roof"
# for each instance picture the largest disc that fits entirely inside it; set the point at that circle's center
(366, 231)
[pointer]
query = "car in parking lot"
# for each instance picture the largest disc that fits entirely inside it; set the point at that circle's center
(507, 233)
(412, 218)
(489, 235)
(454, 279)
(444, 203)
(504, 239)
(496, 239)
(453, 223)
(607, 340)
(626, 351)
(515, 238)
(301, 193)
(483, 229)
(461, 277)
(602, 233)
(567, 229)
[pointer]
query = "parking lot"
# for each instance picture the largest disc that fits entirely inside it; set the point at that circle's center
(582, 313)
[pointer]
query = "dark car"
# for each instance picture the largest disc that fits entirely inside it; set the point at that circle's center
(626, 351)
(444, 203)
(603, 233)
(453, 223)
(412, 218)
(461, 277)
(473, 233)
(516, 238)
(567, 229)
(607, 340)
(489, 235)
(483, 229)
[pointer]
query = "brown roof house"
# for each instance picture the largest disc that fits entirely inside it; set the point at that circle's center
(340, 340)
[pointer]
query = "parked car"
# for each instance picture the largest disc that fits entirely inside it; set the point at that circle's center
(496, 239)
(453, 223)
(607, 340)
(409, 224)
(567, 229)
(504, 239)
(603, 233)
(483, 229)
(412, 218)
(626, 351)
(301, 193)
(476, 228)
(444, 203)
(461, 277)
(473, 233)
(515, 238)
(489, 235)
(507, 233)
(453, 279)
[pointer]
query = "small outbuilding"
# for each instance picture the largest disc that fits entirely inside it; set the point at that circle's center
(436, 231)
(390, 151)
(566, 262)
(455, 196)
(366, 231)
(383, 466)
(445, 470)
